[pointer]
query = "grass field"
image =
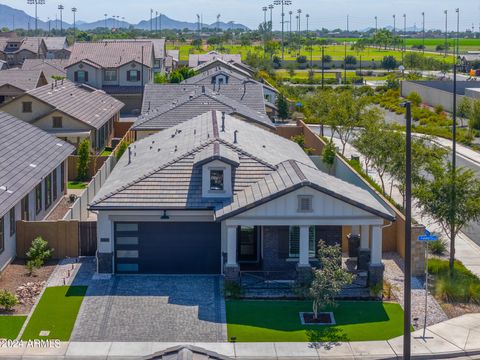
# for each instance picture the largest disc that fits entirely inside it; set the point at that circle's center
(56, 312)
(77, 185)
(10, 326)
(279, 321)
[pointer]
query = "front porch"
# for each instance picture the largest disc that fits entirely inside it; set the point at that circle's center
(274, 256)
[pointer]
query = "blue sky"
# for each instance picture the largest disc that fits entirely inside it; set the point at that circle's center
(330, 14)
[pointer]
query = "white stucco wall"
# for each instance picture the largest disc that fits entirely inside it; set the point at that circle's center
(38, 108)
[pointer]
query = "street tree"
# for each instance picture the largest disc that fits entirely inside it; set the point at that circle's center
(283, 108)
(389, 62)
(474, 120)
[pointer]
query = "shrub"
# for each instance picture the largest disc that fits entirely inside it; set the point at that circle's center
(38, 253)
(8, 300)
(438, 247)
(121, 149)
(232, 290)
(83, 160)
(415, 98)
(439, 109)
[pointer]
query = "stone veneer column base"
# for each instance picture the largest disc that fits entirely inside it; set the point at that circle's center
(363, 259)
(105, 263)
(375, 274)
(304, 273)
(232, 273)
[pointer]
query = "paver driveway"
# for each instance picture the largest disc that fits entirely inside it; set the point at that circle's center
(152, 308)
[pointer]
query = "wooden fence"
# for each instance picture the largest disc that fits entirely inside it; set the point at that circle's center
(68, 238)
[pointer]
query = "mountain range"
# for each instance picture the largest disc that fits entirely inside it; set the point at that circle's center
(11, 17)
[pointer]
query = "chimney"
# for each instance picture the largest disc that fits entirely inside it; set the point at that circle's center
(223, 121)
(235, 137)
(129, 154)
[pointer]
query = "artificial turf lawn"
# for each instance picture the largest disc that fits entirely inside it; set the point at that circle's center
(10, 326)
(56, 312)
(77, 185)
(277, 321)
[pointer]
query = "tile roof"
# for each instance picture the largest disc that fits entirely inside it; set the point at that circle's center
(194, 103)
(195, 60)
(55, 43)
(88, 105)
(27, 155)
(22, 79)
(158, 45)
(213, 63)
(112, 54)
(31, 44)
(162, 170)
(50, 67)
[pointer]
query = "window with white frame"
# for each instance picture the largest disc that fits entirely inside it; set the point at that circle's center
(294, 241)
(216, 180)
(110, 75)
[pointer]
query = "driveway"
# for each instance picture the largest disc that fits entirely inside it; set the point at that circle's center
(152, 308)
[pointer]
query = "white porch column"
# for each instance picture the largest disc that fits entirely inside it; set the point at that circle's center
(364, 237)
(303, 259)
(232, 246)
(376, 250)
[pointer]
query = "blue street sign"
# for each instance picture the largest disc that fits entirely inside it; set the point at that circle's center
(427, 238)
(427, 232)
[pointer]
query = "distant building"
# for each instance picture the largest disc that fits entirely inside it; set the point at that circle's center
(57, 47)
(120, 68)
(15, 50)
(195, 60)
(69, 111)
(16, 82)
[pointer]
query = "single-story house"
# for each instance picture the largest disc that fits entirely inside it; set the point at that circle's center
(50, 67)
(69, 111)
(16, 82)
(195, 60)
(169, 105)
(32, 178)
(120, 68)
(217, 195)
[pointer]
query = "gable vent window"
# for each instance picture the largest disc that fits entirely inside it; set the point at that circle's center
(305, 203)
(27, 107)
(57, 122)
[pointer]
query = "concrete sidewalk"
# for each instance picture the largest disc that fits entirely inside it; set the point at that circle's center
(455, 338)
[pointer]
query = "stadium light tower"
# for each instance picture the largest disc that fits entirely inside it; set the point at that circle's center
(376, 24)
(283, 3)
(61, 7)
(394, 29)
(36, 3)
(270, 7)
(446, 31)
(74, 11)
(299, 12)
(423, 31)
(264, 9)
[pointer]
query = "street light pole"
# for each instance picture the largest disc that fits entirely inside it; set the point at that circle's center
(408, 234)
(323, 68)
(61, 7)
(376, 24)
(457, 10)
(309, 38)
(283, 3)
(74, 10)
(446, 32)
(454, 165)
(151, 21)
(394, 29)
(270, 7)
(423, 32)
(404, 45)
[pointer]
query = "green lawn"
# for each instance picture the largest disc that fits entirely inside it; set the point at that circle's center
(106, 152)
(77, 185)
(277, 321)
(56, 312)
(10, 326)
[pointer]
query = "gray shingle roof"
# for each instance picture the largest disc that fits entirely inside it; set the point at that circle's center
(31, 44)
(215, 63)
(186, 352)
(55, 43)
(158, 45)
(249, 93)
(164, 174)
(112, 54)
(193, 104)
(27, 155)
(50, 67)
(90, 106)
(195, 60)
(22, 79)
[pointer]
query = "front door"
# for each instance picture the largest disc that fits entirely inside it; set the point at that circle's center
(248, 243)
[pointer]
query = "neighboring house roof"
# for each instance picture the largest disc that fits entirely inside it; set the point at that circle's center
(158, 45)
(196, 103)
(195, 60)
(22, 79)
(50, 67)
(214, 63)
(31, 44)
(27, 155)
(248, 93)
(162, 170)
(88, 105)
(112, 54)
(55, 43)
(175, 54)
(186, 352)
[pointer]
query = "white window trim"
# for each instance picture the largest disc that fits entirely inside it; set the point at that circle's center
(311, 243)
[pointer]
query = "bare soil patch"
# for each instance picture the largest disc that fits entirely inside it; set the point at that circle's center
(27, 288)
(458, 309)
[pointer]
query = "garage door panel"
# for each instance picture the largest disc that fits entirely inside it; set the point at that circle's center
(170, 248)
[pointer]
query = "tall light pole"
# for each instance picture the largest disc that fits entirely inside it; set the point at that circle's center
(348, 23)
(446, 31)
(394, 29)
(283, 3)
(270, 7)
(454, 163)
(404, 44)
(13, 22)
(198, 22)
(290, 13)
(218, 22)
(423, 31)
(61, 7)
(160, 24)
(36, 3)
(299, 12)
(376, 24)
(49, 25)
(106, 27)
(151, 20)
(264, 9)
(156, 22)
(74, 11)
(310, 43)
(457, 10)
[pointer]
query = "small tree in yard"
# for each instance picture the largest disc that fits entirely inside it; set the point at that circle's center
(282, 105)
(38, 253)
(329, 280)
(7, 300)
(83, 160)
(328, 155)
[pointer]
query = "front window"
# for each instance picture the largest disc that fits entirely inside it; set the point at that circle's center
(57, 122)
(216, 180)
(38, 198)
(48, 191)
(27, 107)
(294, 241)
(12, 221)
(81, 76)
(110, 75)
(133, 75)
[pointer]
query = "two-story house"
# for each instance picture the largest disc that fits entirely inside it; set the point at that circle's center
(14, 50)
(72, 112)
(15, 82)
(33, 177)
(120, 68)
